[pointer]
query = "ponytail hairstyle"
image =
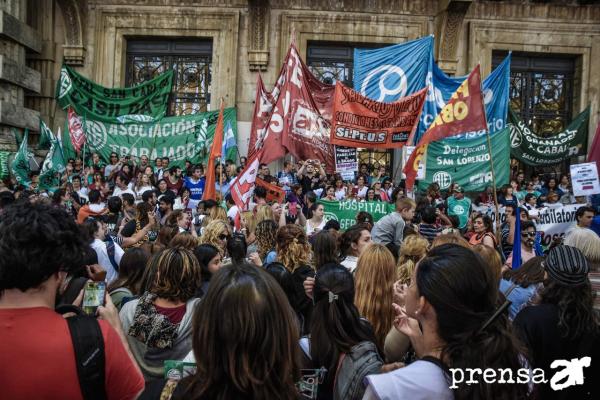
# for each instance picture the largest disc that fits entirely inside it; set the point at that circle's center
(463, 291)
(292, 247)
(335, 325)
(414, 247)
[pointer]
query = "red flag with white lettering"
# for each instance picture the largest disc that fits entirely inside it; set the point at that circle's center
(464, 112)
(242, 188)
(297, 123)
(75, 130)
(263, 108)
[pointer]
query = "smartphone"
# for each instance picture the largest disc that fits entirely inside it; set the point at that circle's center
(293, 209)
(93, 297)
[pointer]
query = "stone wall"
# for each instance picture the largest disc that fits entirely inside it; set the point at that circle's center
(16, 37)
(253, 35)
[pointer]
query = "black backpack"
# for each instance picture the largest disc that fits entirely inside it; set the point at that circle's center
(88, 346)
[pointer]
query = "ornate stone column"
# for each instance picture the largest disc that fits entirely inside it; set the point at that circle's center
(258, 34)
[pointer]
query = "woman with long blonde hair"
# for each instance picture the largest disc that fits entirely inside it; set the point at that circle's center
(264, 212)
(216, 233)
(293, 251)
(375, 275)
(413, 248)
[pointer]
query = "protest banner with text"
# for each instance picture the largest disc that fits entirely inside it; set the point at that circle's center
(345, 211)
(535, 150)
(181, 138)
(464, 112)
(361, 122)
(467, 162)
(92, 101)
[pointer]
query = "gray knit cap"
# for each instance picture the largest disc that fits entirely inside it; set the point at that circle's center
(567, 265)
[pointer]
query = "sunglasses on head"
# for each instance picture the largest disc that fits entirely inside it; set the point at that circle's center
(223, 236)
(528, 234)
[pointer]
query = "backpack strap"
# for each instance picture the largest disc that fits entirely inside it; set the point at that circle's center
(110, 250)
(337, 370)
(437, 362)
(88, 346)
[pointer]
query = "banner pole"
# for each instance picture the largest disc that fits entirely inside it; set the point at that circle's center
(497, 211)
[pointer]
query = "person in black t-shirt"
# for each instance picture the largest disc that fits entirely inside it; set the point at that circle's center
(563, 326)
(310, 175)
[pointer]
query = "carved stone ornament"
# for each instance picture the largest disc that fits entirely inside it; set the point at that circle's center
(258, 34)
(74, 51)
(452, 16)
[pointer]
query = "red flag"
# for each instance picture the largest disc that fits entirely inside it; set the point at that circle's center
(215, 152)
(298, 122)
(464, 112)
(263, 108)
(242, 188)
(274, 192)
(595, 150)
(75, 130)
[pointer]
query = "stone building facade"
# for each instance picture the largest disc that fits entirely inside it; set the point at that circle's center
(218, 46)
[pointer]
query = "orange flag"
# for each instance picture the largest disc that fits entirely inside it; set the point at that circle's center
(464, 112)
(215, 152)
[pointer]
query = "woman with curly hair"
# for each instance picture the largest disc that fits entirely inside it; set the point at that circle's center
(375, 275)
(216, 233)
(412, 250)
(293, 251)
(266, 235)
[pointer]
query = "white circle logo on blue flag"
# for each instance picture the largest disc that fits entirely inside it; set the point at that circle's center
(391, 81)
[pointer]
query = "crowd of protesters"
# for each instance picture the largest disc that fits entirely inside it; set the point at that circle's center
(278, 302)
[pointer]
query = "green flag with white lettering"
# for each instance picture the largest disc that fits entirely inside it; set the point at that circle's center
(100, 103)
(20, 165)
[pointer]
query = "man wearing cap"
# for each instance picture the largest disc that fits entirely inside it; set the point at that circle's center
(563, 326)
(460, 206)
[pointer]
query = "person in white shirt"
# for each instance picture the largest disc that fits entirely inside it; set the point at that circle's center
(109, 253)
(452, 316)
(354, 241)
(122, 185)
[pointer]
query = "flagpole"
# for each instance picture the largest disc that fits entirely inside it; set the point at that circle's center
(489, 147)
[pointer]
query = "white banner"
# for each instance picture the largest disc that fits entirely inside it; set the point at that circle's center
(553, 222)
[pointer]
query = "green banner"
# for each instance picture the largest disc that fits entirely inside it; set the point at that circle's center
(345, 211)
(467, 162)
(107, 104)
(535, 150)
(187, 137)
(4, 170)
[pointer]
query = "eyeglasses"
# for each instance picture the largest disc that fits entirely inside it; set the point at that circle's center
(223, 236)
(528, 234)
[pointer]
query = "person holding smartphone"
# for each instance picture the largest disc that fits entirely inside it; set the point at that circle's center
(310, 174)
(42, 359)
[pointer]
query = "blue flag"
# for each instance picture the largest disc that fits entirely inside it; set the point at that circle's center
(516, 253)
(495, 95)
(392, 72)
(229, 142)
